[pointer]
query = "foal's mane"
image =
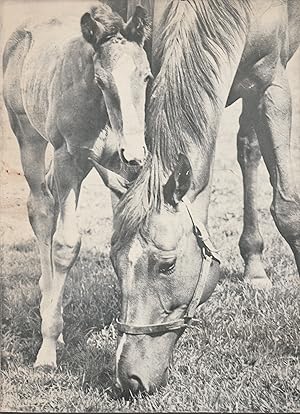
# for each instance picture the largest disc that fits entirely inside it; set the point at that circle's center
(187, 53)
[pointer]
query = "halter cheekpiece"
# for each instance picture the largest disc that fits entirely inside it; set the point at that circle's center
(209, 255)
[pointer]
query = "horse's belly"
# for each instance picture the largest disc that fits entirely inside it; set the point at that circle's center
(266, 46)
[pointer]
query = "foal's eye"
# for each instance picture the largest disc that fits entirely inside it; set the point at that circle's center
(167, 268)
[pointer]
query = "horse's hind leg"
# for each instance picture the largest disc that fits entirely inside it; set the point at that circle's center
(273, 131)
(251, 242)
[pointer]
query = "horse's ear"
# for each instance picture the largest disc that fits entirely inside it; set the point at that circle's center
(179, 182)
(137, 28)
(92, 31)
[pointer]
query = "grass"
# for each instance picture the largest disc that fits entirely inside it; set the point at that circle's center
(243, 356)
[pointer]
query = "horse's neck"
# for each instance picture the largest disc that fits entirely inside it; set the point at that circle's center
(202, 159)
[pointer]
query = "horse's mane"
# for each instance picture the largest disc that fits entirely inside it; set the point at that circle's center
(190, 36)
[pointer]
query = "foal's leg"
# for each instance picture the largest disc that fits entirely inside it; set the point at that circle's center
(68, 175)
(41, 203)
(251, 242)
(273, 131)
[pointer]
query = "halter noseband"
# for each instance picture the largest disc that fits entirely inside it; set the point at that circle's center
(208, 254)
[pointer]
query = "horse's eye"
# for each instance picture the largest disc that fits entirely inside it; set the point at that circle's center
(167, 268)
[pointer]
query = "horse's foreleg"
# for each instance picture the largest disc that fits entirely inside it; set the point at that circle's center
(68, 176)
(273, 130)
(251, 242)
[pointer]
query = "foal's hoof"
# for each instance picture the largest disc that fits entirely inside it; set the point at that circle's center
(44, 367)
(46, 358)
(260, 283)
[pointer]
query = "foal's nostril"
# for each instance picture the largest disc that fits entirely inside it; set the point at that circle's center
(128, 160)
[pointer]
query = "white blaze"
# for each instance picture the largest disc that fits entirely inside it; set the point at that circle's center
(134, 254)
(118, 356)
(133, 120)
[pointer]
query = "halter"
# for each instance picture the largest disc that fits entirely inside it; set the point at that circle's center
(209, 255)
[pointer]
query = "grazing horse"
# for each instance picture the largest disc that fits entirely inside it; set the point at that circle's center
(207, 54)
(85, 94)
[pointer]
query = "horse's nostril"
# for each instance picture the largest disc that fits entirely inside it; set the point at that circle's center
(135, 384)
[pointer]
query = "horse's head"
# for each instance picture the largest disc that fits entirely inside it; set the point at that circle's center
(166, 271)
(122, 72)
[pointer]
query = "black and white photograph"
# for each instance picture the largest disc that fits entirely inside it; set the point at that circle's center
(150, 206)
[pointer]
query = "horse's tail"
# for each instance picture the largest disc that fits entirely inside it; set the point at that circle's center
(20, 34)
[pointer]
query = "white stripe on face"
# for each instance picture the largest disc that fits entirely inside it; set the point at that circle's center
(134, 254)
(118, 356)
(125, 65)
(133, 118)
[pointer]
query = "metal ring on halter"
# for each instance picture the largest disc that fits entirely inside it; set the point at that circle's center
(208, 254)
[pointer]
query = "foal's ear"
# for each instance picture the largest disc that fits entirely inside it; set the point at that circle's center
(115, 182)
(92, 31)
(179, 182)
(137, 28)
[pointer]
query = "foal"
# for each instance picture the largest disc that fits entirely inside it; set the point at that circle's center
(85, 94)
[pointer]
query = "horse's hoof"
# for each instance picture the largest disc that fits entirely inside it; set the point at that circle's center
(44, 366)
(256, 276)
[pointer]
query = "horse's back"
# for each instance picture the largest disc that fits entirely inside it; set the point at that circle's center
(32, 55)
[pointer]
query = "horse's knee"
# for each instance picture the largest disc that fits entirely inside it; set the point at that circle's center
(286, 214)
(65, 250)
(40, 208)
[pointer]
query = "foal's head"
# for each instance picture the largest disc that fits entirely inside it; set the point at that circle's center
(122, 72)
(158, 260)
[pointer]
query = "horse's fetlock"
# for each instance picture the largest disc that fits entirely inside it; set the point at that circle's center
(251, 244)
(52, 327)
